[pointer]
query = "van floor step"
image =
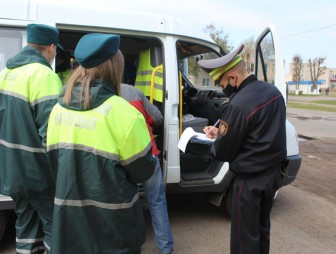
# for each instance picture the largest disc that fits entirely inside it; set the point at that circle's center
(196, 176)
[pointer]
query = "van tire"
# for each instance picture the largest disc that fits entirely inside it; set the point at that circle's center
(227, 201)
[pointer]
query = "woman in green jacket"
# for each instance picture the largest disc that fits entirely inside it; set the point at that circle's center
(100, 148)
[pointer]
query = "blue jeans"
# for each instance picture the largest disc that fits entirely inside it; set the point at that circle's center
(157, 205)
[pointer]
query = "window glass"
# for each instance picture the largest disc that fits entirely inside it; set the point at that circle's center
(188, 56)
(10, 43)
(266, 59)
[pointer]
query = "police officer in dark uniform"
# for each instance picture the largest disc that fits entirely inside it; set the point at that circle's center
(252, 138)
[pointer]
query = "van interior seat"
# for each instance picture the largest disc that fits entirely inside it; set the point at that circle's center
(197, 123)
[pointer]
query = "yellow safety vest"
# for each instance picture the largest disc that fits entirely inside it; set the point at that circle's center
(144, 77)
(64, 76)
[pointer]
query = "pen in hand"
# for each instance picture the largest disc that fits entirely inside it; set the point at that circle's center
(217, 122)
(211, 131)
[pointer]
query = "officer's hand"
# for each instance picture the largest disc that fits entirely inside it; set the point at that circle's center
(210, 131)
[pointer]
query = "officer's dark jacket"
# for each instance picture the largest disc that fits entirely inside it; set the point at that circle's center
(252, 131)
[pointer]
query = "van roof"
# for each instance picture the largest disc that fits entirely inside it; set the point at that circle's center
(90, 14)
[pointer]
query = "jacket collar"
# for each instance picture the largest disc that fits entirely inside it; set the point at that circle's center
(247, 81)
(100, 91)
(26, 56)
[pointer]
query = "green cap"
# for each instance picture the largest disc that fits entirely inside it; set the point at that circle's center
(93, 49)
(42, 34)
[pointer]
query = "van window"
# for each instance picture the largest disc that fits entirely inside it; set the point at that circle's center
(266, 59)
(201, 101)
(188, 56)
(11, 42)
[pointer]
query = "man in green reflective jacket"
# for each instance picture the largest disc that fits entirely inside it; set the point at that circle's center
(28, 91)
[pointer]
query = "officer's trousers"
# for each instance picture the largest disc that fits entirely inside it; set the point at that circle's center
(252, 201)
(33, 224)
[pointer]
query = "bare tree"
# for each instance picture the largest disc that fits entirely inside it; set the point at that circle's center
(248, 54)
(219, 37)
(297, 70)
(316, 69)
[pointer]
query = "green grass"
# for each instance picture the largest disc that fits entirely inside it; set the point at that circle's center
(324, 102)
(314, 105)
(331, 94)
(303, 95)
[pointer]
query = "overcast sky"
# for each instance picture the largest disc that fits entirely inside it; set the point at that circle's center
(307, 28)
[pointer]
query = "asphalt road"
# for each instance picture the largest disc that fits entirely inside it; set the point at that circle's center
(312, 123)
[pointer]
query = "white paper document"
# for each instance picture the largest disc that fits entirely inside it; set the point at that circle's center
(188, 134)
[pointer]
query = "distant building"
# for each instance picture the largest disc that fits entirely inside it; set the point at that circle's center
(305, 85)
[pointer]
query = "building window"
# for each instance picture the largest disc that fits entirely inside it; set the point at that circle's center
(206, 82)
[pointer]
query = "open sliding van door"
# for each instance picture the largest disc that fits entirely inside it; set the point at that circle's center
(269, 63)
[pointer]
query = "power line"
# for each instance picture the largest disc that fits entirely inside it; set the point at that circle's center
(309, 31)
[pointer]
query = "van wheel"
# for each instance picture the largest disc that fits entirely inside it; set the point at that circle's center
(226, 204)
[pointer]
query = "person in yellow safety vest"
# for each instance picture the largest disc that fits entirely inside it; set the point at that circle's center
(100, 149)
(63, 65)
(144, 76)
(29, 89)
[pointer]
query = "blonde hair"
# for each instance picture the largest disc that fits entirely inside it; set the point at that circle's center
(110, 71)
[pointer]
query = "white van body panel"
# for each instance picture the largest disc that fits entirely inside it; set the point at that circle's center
(292, 139)
(92, 15)
(224, 169)
(16, 9)
(171, 130)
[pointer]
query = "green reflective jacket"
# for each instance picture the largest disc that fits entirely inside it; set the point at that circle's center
(28, 91)
(98, 154)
